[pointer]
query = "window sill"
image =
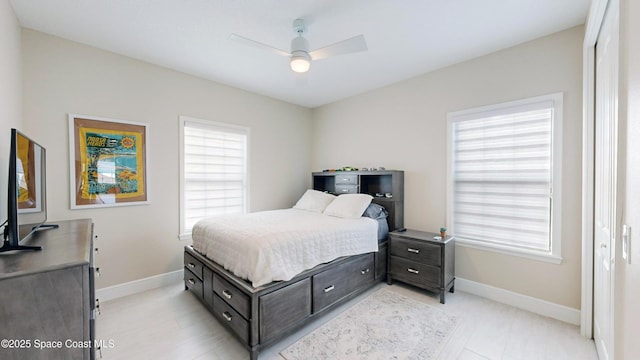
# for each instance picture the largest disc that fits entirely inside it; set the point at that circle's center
(533, 255)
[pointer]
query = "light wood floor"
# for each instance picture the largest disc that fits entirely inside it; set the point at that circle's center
(169, 323)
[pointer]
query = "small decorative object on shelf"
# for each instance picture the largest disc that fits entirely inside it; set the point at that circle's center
(346, 168)
(443, 232)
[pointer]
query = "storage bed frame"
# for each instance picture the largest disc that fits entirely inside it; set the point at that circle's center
(261, 316)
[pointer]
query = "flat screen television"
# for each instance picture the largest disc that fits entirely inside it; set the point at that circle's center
(27, 197)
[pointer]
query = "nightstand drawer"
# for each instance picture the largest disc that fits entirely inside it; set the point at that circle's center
(232, 295)
(414, 273)
(193, 265)
(346, 179)
(416, 250)
(227, 315)
(346, 189)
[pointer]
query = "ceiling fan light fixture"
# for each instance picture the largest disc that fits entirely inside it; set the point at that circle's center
(300, 61)
(300, 55)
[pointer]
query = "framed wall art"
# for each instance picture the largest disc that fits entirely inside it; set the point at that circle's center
(108, 162)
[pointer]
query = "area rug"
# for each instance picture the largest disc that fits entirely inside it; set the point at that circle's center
(385, 325)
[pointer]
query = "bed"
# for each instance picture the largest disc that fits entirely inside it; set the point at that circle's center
(289, 242)
(260, 303)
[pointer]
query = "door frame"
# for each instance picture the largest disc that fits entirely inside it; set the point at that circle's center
(595, 18)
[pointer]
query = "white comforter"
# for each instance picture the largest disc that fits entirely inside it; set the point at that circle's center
(279, 244)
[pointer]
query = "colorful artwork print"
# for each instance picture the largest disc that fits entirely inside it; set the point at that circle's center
(108, 162)
(113, 163)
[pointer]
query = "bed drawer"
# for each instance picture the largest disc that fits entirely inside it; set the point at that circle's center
(340, 281)
(414, 273)
(415, 250)
(346, 189)
(232, 295)
(227, 315)
(192, 283)
(193, 265)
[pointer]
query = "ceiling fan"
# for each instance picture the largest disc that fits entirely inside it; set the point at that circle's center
(300, 56)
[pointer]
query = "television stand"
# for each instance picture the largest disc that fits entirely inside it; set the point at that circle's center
(50, 295)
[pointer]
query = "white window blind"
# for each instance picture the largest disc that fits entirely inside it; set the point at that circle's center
(502, 172)
(214, 171)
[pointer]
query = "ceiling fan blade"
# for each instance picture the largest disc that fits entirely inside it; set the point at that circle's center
(351, 45)
(249, 42)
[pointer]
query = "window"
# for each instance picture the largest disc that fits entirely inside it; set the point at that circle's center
(504, 167)
(213, 169)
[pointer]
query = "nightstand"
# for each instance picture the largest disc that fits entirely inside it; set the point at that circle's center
(416, 258)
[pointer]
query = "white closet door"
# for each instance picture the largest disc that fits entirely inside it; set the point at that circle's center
(606, 143)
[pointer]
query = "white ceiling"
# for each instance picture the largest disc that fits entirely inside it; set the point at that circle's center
(405, 37)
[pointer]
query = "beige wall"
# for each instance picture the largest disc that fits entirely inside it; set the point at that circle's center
(403, 126)
(10, 92)
(62, 77)
(627, 314)
(408, 117)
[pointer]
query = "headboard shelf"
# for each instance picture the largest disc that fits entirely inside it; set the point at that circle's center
(387, 188)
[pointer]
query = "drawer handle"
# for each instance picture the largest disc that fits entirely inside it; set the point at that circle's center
(345, 190)
(227, 294)
(329, 288)
(191, 281)
(365, 271)
(412, 250)
(191, 265)
(413, 271)
(227, 316)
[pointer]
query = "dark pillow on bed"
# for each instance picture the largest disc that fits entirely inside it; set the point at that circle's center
(375, 211)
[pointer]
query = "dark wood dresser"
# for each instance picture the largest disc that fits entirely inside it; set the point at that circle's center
(47, 297)
(418, 259)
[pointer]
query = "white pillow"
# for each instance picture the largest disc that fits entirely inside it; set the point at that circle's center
(348, 206)
(314, 200)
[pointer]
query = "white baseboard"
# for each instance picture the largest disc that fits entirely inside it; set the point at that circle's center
(537, 306)
(534, 305)
(140, 285)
